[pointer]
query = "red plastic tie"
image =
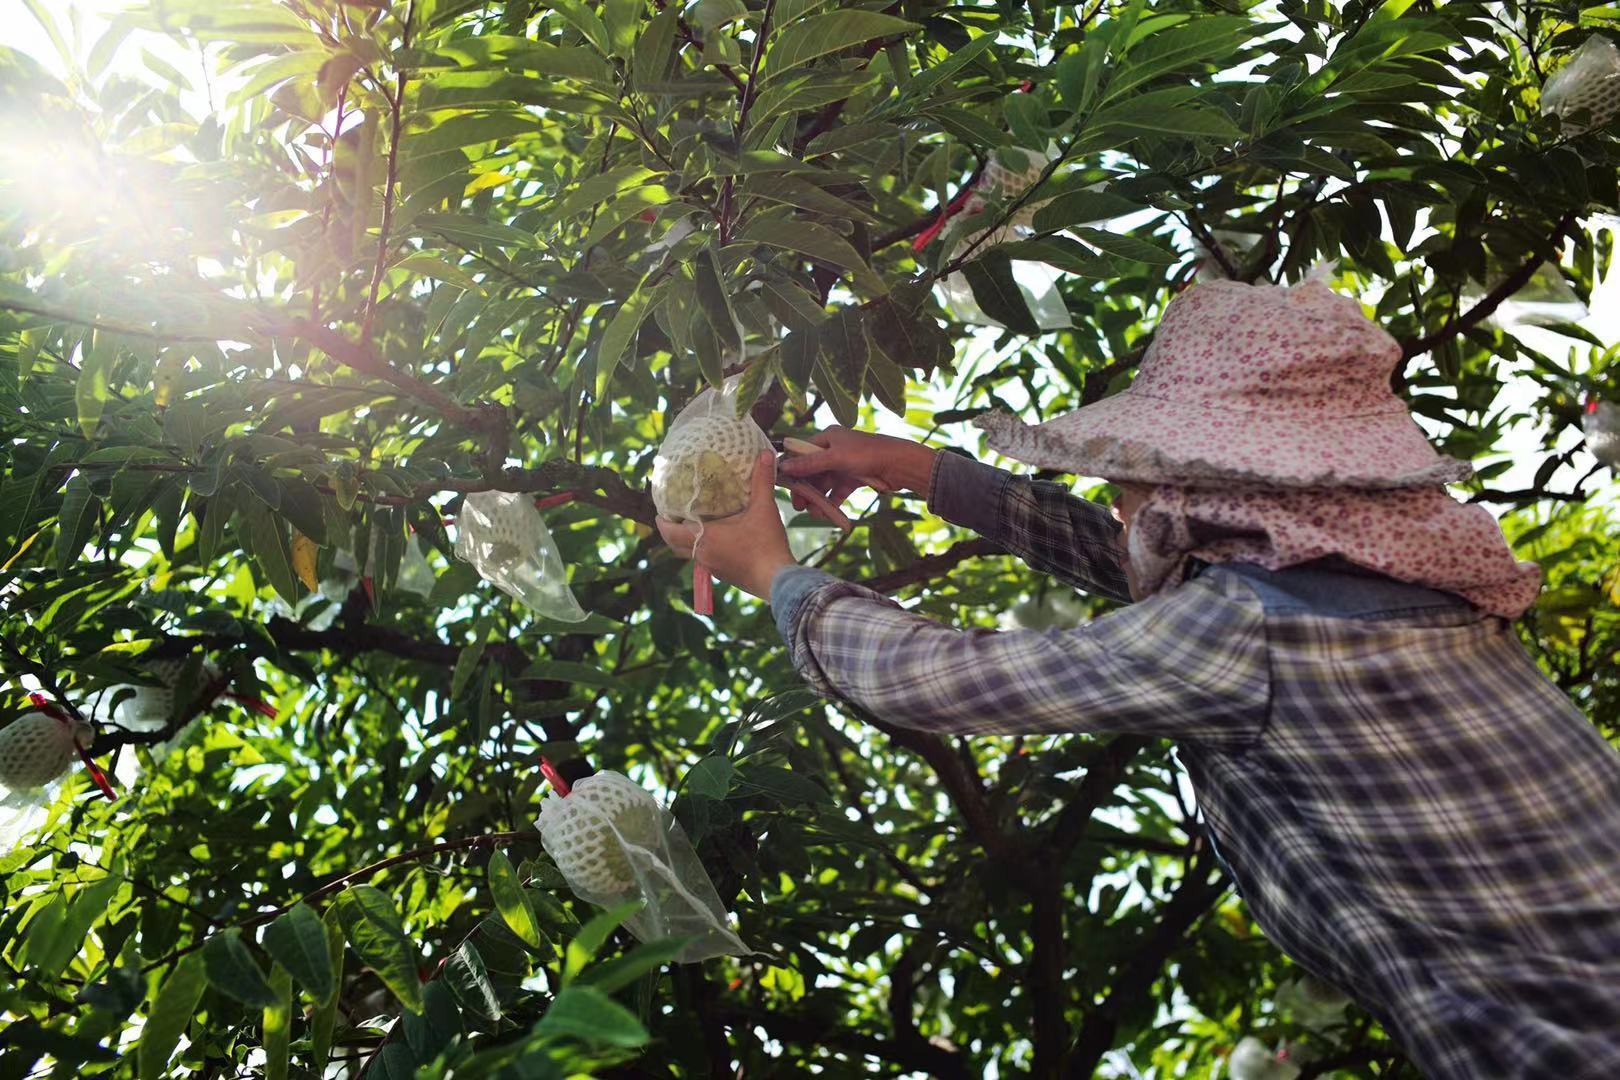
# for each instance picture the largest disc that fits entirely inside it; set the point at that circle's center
(559, 499)
(702, 591)
(263, 708)
(1591, 404)
(952, 208)
(549, 771)
(43, 704)
(96, 774)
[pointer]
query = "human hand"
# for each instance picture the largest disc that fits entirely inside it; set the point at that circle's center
(856, 459)
(746, 549)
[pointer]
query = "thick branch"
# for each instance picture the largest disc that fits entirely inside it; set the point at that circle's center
(1196, 894)
(1099, 782)
(354, 876)
(1491, 300)
(834, 1033)
(929, 567)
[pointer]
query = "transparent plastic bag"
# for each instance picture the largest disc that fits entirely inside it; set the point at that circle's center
(415, 572)
(1545, 300)
(1589, 83)
(613, 844)
(1600, 423)
(1250, 1059)
(1007, 175)
(501, 534)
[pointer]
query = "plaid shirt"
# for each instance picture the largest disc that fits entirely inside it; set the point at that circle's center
(1410, 809)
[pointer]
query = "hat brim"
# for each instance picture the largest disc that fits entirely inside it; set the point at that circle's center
(1148, 440)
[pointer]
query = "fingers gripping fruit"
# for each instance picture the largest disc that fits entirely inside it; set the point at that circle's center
(36, 748)
(705, 467)
(587, 832)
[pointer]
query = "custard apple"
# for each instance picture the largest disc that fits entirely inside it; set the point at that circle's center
(36, 748)
(705, 468)
(586, 830)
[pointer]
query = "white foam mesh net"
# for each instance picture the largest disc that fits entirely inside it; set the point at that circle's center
(35, 749)
(613, 843)
(150, 707)
(1601, 426)
(704, 468)
(1589, 82)
(502, 535)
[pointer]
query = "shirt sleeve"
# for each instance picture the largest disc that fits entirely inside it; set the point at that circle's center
(1188, 664)
(1070, 538)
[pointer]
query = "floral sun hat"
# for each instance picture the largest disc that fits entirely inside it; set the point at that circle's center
(1264, 385)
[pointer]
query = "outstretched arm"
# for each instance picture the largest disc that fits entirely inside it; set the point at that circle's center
(1041, 523)
(1187, 664)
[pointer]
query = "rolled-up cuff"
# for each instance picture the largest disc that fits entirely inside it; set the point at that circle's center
(790, 588)
(968, 493)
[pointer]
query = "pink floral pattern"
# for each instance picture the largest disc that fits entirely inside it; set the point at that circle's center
(1262, 418)
(1259, 384)
(1420, 535)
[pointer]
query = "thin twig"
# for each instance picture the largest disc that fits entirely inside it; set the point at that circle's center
(396, 106)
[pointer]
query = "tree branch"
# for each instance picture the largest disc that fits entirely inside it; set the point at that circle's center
(1195, 895)
(834, 1033)
(1492, 300)
(365, 872)
(396, 107)
(1099, 782)
(928, 567)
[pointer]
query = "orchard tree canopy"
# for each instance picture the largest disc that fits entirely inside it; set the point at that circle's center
(282, 283)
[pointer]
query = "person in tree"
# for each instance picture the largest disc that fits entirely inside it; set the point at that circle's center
(1411, 810)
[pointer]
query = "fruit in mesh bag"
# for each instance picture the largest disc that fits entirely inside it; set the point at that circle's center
(498, 530)
(586, 830)
(1002, 180)
(35, 749)
(1590, 82)
(1601, 425)
(153, 705)
(705, 468)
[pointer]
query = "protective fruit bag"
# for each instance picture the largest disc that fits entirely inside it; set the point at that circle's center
(614, 844)
(704, 469)
(501, 534)
(1007, 175)
(1589, 84)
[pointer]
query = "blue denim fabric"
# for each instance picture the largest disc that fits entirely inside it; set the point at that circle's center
(791, 586)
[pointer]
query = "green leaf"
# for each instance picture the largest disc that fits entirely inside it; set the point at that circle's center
(233, 971)
(377, 936)
(1063, 253)
(1081, 207)
(799, 351)
(782, 785)
(997, 293)
(468, 980)
(587, 1014)
(297, 941)
(171, 1009)
(655, 50)
(93, 389)
(511, 901)
(474, 232)
(818, 35)
(467, 661)
(585, 944)
(278, 1025)
(715, 300)
(621, 971)
(711, 776)
(621, 18)
(585, 21)
(621, 332)
(1128, 247)
(816, 242)
(793, 190)
(265, 536)
(325, 1019)
(438, 1025)
(75, 521)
